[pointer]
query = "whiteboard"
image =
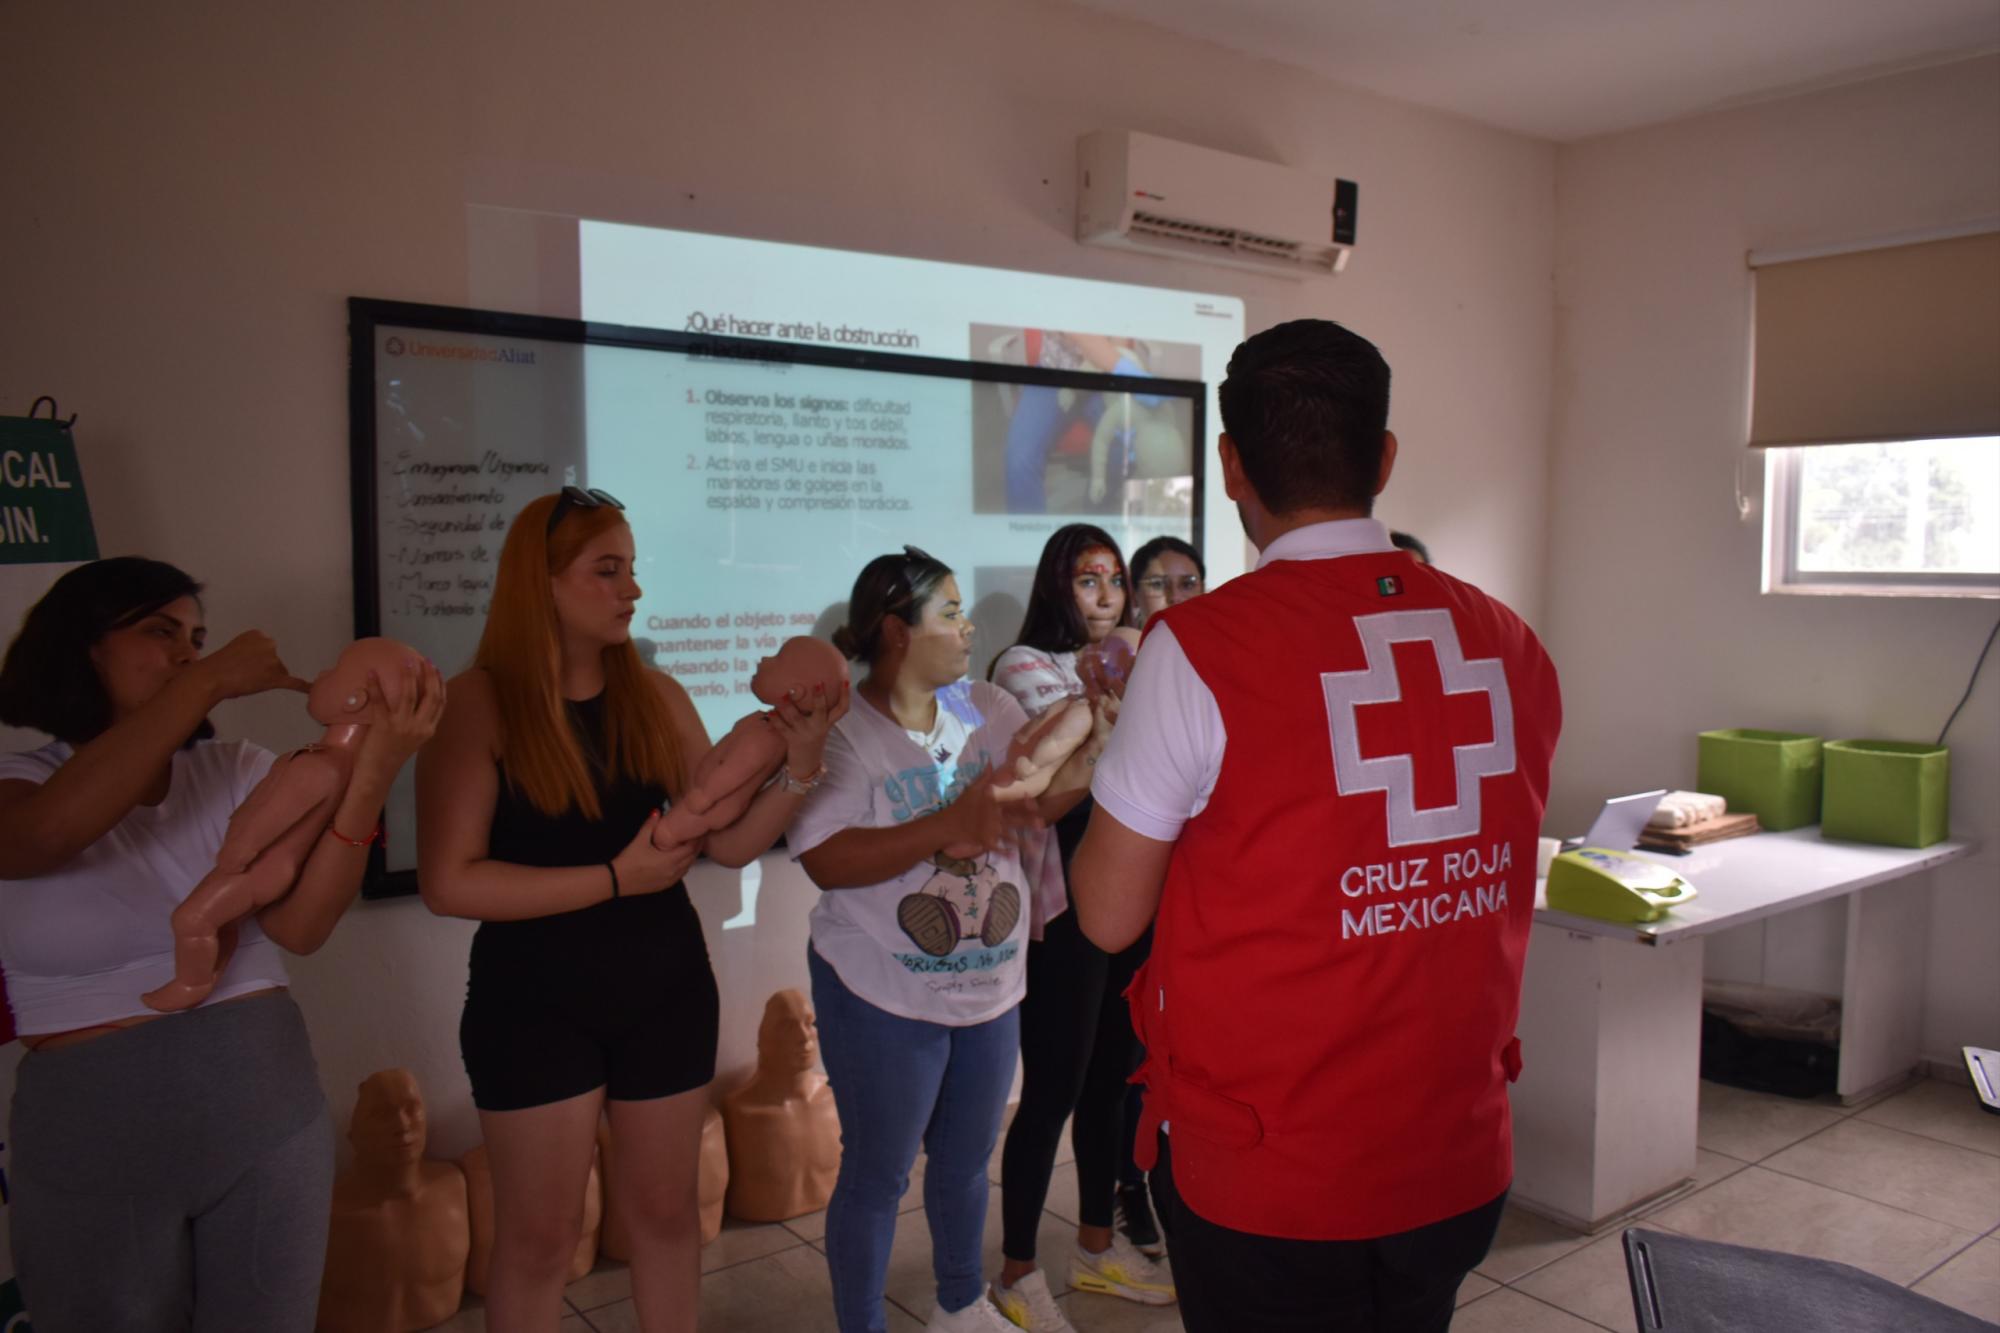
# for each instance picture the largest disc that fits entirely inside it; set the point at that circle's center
(758, 478)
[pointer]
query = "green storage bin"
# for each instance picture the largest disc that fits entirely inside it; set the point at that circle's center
(1774, 775)
(1897, 793)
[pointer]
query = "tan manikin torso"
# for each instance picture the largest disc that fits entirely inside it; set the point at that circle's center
(783, 1130)
(399, 1235)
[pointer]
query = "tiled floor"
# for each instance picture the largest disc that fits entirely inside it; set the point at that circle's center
(1907, 1188)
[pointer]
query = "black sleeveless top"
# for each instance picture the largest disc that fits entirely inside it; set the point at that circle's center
(523, 835)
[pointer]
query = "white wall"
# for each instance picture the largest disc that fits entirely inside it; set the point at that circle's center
(193, 190)
(1653, 604)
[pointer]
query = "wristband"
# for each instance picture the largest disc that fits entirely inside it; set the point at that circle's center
(379, 834)
(614, 878)
(801, 786)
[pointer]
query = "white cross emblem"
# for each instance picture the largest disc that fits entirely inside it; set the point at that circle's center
(1395, 775)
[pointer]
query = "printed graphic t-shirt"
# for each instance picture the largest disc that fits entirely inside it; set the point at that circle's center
(943, 942)
(1040, 680)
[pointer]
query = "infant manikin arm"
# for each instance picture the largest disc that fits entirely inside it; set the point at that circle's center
(1040, 748)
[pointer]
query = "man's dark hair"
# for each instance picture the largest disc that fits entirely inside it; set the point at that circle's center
(1414, 545)
(47, 681)
(888, 585)
(1052, 623)
(1307, 403)
(1143, 558)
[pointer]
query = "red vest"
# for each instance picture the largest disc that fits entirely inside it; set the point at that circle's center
(1329, 1009)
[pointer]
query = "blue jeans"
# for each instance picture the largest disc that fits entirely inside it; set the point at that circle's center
(898, 1083)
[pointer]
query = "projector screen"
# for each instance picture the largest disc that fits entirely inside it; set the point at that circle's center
(758, 477)
(730, 286)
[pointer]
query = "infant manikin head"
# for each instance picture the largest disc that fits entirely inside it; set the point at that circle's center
(1114, 659)
(799, 664)
(341, 694)
(788, 1038)
(389, 1123)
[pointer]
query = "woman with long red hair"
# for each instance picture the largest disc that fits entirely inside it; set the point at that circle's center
(590, 984)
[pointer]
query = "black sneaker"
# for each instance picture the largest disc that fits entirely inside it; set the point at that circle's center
(1135, 1219)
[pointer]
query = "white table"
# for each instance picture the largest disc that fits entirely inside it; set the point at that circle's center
(1605, 1110)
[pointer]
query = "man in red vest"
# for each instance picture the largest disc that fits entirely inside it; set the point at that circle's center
(1324, 791)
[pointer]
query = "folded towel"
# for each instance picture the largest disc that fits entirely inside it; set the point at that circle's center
(1699, 835)
(1678, 809)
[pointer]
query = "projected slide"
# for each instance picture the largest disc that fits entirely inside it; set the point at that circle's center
(756, 491)
(1045, 456)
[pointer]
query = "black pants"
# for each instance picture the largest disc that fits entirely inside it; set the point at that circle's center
(1077, 1050)
(1235, 1282)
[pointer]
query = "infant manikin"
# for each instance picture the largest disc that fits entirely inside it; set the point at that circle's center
(1106, 665)
(736, 768)
(280, 821)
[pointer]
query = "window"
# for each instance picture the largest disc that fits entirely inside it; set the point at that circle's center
(1914, 517)
(1874, 398)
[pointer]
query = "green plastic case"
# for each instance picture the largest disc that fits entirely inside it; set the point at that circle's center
(1896, 793)
(1614, 886)
(1774, 775)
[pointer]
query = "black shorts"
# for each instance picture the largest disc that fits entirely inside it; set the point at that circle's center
(619, 996)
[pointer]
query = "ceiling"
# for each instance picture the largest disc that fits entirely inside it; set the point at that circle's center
(1569, 69)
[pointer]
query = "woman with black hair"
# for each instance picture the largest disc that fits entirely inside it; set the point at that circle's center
(177, 1172)
(1077, 1046)
(1165, 570)
(916, 954)
(1405, 541)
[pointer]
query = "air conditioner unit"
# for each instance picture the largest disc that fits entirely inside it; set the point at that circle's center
(1140, 192)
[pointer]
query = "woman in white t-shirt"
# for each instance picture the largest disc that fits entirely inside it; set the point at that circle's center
(1077, 1047)
(918, 941)
(166, 1170)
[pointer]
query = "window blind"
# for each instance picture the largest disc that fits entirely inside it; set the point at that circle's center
(1898, 343)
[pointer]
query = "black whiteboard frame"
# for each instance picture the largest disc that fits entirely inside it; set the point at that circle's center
(365, 315)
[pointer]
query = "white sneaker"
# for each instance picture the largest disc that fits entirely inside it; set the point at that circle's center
(1121, 1271)
(979, 1317)
(1028, 1305)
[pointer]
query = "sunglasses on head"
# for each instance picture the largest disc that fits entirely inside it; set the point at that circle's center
(576, 497)
(903, 597)
(914, 559)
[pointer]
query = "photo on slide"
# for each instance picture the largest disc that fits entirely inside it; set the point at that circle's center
(1044, 450)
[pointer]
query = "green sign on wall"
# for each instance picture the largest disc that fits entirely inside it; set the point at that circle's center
(44, 518)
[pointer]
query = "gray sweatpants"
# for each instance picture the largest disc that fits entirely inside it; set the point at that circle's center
(173, 1176)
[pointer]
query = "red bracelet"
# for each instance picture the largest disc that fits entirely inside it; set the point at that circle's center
(379, 834)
